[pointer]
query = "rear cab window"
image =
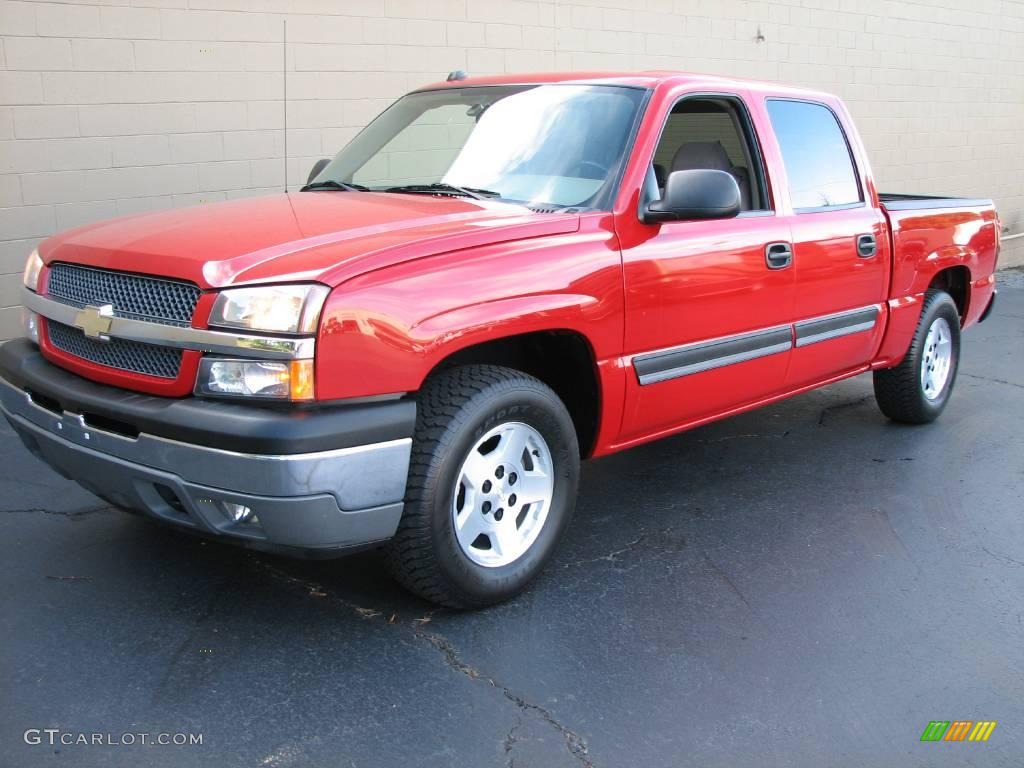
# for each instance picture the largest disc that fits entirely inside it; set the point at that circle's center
(816, 155)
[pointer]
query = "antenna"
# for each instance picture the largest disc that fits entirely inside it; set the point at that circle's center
(284, 79)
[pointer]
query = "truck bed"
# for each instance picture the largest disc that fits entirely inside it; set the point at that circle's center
(897, 201)
(930, 234)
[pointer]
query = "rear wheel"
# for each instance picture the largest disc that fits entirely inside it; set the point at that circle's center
(492, 485)
(917, 390)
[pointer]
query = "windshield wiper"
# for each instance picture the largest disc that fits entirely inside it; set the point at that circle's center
(446, 189)
(332, 184)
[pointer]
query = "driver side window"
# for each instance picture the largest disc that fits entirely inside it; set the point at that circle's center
(712, 133)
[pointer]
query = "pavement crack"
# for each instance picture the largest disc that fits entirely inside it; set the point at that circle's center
(451, 657)
(574, 743)
(72, 513)
(841, 406)
(315, 589)
(994, 380)
(661, 542)
(34, 483)
(1005, 558)
(729, 582)
(612, 556)
(510, 742)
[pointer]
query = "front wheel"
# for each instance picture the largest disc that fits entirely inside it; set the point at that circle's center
(916, 390)
(492, 485)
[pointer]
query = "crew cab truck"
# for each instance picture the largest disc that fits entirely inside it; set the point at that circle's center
(495, 279)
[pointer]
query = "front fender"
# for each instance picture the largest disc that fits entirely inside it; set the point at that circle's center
(475, 323)
(384, 332)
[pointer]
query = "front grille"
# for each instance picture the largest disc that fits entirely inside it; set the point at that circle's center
(147, 359)
(170, 302)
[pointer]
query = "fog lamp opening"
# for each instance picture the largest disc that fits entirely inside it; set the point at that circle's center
(30, 325)
(238, 513)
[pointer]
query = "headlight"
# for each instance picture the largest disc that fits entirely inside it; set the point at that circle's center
(276, 309)
(33, 267)
(289, 380)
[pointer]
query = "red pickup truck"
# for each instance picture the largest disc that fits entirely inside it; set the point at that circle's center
(495, 279)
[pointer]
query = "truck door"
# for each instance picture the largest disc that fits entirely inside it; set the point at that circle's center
(840, 241)
(708, 303)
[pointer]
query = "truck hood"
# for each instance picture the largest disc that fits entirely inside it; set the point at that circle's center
(327, 237)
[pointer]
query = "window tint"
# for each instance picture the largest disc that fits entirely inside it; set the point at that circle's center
(554, 144)
(710, 133)
(691, 126)
(815, 153)
(422, 151)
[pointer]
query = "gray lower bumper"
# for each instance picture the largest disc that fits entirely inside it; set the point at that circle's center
(326, 500)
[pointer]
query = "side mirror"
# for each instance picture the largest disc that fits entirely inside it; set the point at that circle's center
(701, 193)
(318, 166)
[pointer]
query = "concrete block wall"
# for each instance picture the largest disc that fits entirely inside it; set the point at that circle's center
(109, 107)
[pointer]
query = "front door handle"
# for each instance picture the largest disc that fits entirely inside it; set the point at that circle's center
(778, 255)
(867, 246)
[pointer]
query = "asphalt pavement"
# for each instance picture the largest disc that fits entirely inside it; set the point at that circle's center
(804, 585)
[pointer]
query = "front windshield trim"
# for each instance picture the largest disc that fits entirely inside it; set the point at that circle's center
(604, 197)
(610, 192)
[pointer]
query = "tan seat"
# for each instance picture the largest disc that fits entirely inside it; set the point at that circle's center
(712, 155)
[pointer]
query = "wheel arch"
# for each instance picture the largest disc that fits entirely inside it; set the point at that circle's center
(562, 358)
(956, 282)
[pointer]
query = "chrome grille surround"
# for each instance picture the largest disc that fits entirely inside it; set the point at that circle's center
(259, 346)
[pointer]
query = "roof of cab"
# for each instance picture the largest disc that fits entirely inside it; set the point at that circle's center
(642, 79)
(647, 79)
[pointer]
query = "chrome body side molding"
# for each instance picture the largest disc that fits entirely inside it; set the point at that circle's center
(688, 359)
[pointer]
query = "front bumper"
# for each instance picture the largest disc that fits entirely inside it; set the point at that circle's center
(313, 502)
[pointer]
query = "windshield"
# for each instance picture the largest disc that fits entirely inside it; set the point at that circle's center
(558, 145)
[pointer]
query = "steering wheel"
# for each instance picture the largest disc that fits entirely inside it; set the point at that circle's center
(602, 170)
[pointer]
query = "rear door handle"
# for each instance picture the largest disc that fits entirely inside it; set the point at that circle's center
(778, 255)
(867, 246)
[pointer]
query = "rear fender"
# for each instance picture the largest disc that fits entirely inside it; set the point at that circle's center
(939, 260)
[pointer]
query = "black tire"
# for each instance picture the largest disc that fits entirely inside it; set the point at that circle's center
(898, 390)
(456, 409)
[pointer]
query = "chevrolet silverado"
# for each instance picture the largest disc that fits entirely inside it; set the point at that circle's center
(497, 278)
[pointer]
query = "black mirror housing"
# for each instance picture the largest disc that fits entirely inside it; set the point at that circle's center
(701, 193)
(318, 166)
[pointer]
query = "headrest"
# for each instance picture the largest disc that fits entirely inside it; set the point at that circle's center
(701, 154)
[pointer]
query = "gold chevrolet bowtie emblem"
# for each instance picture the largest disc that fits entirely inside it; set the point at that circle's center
(95, 321)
